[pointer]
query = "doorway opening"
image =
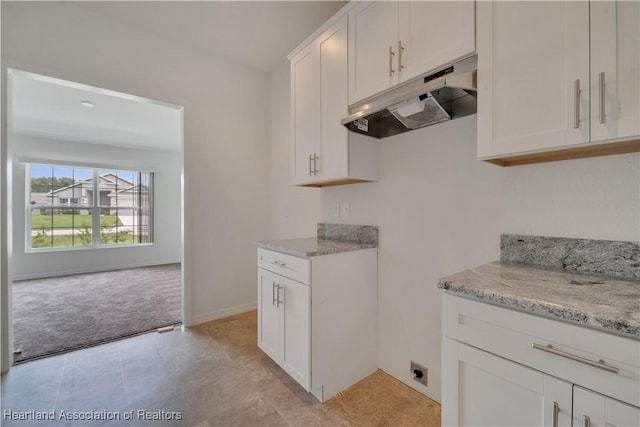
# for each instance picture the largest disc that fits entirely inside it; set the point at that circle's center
(96, 212)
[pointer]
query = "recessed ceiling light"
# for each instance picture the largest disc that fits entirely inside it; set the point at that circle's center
(87, 104)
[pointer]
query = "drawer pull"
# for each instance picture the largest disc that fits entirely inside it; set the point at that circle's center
(597, 364)
(586, 421)
(279, 264)
(556, 410)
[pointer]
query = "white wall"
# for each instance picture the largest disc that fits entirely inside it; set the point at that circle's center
(166, 247)
(441, 211)
(596, 198)
(225, 149)
(293, 211)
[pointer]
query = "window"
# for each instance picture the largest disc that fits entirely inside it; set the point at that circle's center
(69, 202)
(79, 207)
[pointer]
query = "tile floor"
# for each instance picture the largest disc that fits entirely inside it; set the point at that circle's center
(212, 374)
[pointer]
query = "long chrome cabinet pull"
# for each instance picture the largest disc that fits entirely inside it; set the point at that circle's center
(597, 364)
(400, 51)
(556, 410)
(278, 302)
(586, 421)
(315, 164)
(601, 90)
(391, 53)
(273, 293)
(310, 160)
(576, 105)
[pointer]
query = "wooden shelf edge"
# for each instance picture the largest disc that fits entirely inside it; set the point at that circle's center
(338, 182)
(583, 151)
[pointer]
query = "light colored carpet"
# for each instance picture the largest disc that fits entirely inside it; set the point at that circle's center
(67, 313)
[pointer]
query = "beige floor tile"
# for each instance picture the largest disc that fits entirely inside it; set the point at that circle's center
(215, 375)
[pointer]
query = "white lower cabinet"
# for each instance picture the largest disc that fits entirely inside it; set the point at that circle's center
(493, 376)
(317, 317)
(595, 410)
(493, 391)
(285, 324)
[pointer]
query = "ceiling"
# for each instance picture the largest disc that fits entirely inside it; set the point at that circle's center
(258, 34)
(51, 108)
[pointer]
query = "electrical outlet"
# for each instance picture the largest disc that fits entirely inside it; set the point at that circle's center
(346, 209)
(419, 373)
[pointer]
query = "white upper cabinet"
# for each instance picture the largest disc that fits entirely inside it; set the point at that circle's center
(304, 113)
(435, 33)
(332, 66)
(391, 42)
(324, 153)
(533, 75)
(554, 75)
(615, 69)
(373, 47)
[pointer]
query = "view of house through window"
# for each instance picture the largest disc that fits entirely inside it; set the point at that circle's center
(88, 207)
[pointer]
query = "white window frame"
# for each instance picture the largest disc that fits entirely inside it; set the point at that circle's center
(69, 201)
(94, 208)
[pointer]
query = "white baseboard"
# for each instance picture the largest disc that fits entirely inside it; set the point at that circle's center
(220, 314)
(92, 270)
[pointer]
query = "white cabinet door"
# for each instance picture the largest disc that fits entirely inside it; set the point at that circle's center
(602, 411)
(333, 155)
(492, 391)
(373, 44)
(434, 33)
(615, 69)
(295, 318)
(284, 324)
(268, 315)
(304, 114)
(532, 59)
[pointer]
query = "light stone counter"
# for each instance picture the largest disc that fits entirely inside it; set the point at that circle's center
(601, 302)
(313, 246)
(331, 239)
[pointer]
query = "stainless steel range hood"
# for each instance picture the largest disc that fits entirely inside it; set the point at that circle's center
(431, 98)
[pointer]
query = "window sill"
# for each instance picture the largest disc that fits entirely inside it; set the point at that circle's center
(84, 248)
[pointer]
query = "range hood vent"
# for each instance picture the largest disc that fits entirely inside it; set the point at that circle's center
(426, 100)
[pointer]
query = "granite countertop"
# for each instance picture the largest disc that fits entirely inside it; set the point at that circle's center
(601, 302)
(314, 246)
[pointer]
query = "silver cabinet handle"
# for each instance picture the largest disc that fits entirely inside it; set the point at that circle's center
(273, 293)
(586, 421)
(278, 302)
(597, 364)
(391, 53)
(310, 160)
(315, 163)
(556, 410)
(576, 106)
(280, 264)
(400, 51)
(601, 90)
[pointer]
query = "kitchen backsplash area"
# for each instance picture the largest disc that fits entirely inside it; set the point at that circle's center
(608, 257)
(349, 232)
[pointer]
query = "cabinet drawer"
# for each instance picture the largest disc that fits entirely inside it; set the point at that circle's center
(512, 334)
(298, 269)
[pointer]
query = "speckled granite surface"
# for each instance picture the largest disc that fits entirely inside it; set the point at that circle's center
(612, 258)
(612, 305)
(313, 246)
(331, 239)
(348, 232)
